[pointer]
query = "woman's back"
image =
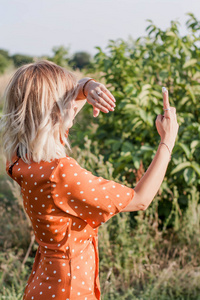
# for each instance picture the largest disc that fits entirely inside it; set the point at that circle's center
(66, 204)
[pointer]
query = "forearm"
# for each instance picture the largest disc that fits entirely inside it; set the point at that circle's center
(148, 186)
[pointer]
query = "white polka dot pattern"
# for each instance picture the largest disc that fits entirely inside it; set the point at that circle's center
(103, 198)
(66, 205)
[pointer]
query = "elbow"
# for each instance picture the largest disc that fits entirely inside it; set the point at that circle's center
(142, 207)
(140, 202)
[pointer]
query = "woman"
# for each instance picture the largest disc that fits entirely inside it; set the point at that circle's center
(66, 203)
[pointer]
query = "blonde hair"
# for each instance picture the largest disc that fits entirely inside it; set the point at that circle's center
(37, 112)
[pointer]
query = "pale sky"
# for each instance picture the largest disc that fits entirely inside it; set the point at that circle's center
(35, 26)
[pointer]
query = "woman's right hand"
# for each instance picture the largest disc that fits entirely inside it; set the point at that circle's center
(166, 124)
(147, 187)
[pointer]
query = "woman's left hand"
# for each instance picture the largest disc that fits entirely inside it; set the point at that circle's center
(99, 97)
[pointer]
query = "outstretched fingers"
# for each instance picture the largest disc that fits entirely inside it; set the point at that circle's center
(96, 104)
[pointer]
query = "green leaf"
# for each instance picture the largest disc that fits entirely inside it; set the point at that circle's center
(127, 146)
(180, 167)
(129, 88)
(157, 94)
(143, 94)
(171, 33)
(192, 95)
(194, 144)
(189, 175)
(146, 87)
(189, 63)
(196, 76)
(186, 149)
(136, 162)
(116, 145)
(185, 49)
(143, 115)
(184, 100)
(130, 107)
(196, 167)
(145, 148)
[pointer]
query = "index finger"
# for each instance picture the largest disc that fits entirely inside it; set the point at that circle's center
(165, 98)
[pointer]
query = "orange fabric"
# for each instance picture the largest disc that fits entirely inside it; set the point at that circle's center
(66, 205)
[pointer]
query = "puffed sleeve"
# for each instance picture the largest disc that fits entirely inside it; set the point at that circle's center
(94, 199)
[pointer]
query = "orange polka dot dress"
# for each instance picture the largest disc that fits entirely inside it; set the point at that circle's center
(66, 205)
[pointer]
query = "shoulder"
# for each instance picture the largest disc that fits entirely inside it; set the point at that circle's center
(67, 161)
(67, 166)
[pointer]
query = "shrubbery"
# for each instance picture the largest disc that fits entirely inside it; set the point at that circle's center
(135, 72)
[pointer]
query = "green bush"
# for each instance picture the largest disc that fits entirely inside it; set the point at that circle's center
(135, 73)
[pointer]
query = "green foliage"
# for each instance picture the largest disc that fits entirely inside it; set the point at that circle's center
(135, 73)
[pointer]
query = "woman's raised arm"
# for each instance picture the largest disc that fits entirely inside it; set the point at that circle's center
(147, 187)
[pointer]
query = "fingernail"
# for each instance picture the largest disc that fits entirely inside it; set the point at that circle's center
(112, 109)
(164, 89)
(114, 104)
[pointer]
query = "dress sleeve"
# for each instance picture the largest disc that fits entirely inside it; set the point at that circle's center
(94, 199)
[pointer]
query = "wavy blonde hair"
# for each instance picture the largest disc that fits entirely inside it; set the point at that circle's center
(37, 112)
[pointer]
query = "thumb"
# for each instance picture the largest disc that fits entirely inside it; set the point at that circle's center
(96, 112)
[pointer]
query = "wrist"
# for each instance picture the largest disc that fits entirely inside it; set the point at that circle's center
(81, 84)
(169, 143)
(167, 148)
(86, 86)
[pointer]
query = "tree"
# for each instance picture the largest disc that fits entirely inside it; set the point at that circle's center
(4, 63)
(20, 59)
(80, 60)
(4, 60)
(60, 56)
(5, 53)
